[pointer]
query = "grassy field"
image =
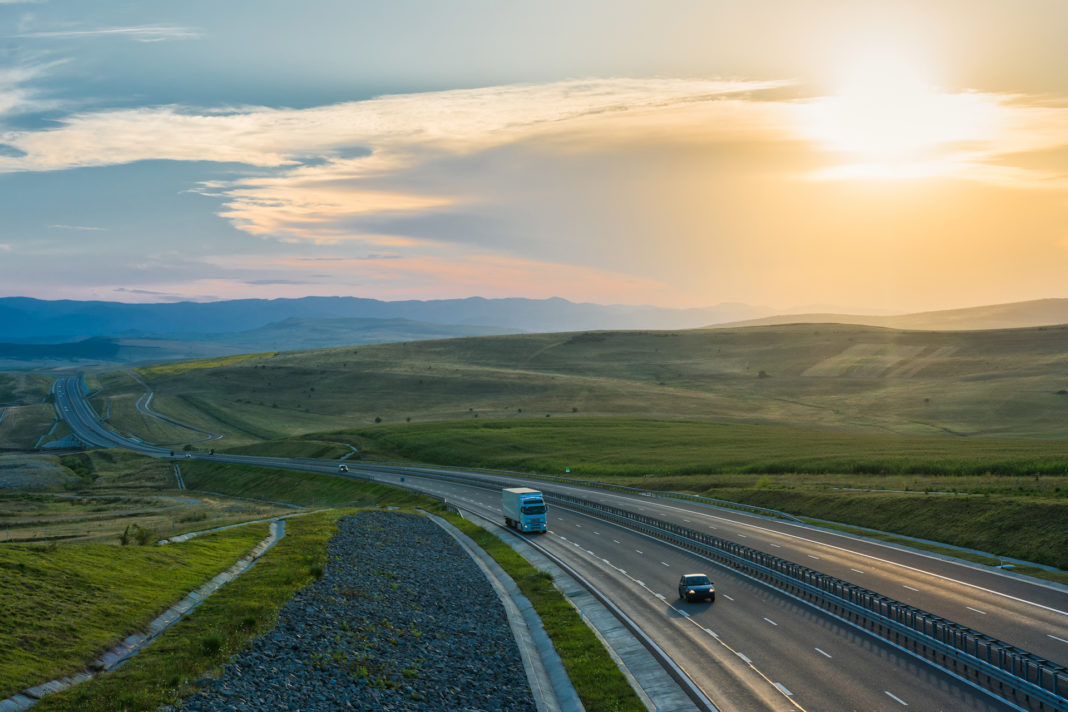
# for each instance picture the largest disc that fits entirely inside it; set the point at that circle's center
(200, 644)
(24, 425)
(103, 493)
(609, 447)
(60, 605)
(17, 388)
(1008, 383)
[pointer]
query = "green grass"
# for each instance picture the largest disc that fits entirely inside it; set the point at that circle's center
(304, 448)
(167, 669)
(596, 677)
(174, 368)
(845, 378)
(24, 425)
(302, 488)
(62, 605)
(611, 447)
(201, 643)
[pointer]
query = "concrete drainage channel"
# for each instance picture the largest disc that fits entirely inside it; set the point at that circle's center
(134, 643)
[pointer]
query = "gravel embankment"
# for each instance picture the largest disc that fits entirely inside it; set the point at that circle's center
(402, 619)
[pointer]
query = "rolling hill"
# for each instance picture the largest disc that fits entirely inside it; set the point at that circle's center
(1010, 383)
(1040, 312)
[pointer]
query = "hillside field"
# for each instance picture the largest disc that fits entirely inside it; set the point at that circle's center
(1009, 383)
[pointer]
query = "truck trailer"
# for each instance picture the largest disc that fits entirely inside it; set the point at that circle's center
(524, 509)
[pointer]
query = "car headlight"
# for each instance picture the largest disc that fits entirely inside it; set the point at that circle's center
(691, 591)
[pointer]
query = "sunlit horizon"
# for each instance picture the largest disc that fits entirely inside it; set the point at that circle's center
(861, 164)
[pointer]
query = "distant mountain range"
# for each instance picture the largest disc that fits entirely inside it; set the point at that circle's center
(37, 334)
(23, 319)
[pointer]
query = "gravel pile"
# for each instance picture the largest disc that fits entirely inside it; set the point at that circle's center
(402, 619)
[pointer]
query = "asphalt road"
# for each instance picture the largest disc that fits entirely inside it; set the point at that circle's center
(754, 648)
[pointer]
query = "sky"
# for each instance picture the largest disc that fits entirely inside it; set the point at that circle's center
(819, 155)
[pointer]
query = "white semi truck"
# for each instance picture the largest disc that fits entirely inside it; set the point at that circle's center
(524, 509)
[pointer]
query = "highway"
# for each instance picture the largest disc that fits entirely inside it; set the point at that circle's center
(755, 648)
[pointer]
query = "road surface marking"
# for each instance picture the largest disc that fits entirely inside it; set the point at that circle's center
(771, 621)
(686, 520)
(743, 536)
(590, 553)
(826, 655)
(976, 610)
(783, 690)
(857, 570)
(579, 526)
(711, 632)
(866, 556)
(743, 657)
(895, 697)
(682, 612)
(665, 563)
(1056, 638)
(777, 546)
(813, 557)
(617, 541)
(640, 583)
(659, 595)
(597, 533)
(728, 597)
(639, 552)
(911, 588)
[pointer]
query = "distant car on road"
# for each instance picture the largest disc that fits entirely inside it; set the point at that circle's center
(342, 468)
(696, 587)
(188, 456)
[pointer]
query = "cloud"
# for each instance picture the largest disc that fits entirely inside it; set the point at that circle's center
(17, 98)
(88, 228)
(5, 247)
(142, 33)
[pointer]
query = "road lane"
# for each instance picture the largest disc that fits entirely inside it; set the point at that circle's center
(863, 659)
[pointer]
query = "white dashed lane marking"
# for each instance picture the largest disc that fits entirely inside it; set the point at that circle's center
(911, 588)
(771, 621)
(976, 610)
(823, 653)
(896, 698)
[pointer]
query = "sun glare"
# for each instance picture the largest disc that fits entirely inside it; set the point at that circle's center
(892, 118)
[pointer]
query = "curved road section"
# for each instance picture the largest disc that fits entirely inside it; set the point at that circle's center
(755, 648)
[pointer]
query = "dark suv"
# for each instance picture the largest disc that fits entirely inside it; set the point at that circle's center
(696, 587)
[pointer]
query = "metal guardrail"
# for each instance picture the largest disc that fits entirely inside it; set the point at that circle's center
(993, 664)
(1003, 669)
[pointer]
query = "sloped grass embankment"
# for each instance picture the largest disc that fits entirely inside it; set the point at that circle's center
(201, 643)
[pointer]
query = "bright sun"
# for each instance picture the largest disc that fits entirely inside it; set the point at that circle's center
(886, 114)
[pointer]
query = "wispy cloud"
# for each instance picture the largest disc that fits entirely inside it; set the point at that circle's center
(18, 96)
(141, 33)
(88, 228)
(323, 172)
(5, 247)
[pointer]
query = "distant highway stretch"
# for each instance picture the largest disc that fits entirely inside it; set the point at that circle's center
(754, 648)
